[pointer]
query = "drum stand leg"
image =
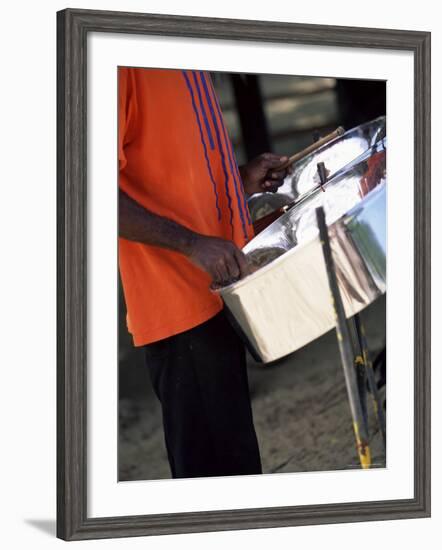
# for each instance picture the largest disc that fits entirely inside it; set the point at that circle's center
(345, 347)
(359, 368)
(376, 400)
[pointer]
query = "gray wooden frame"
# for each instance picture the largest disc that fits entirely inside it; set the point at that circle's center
(73, 27)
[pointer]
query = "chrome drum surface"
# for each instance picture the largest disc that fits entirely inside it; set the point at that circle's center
(285, 303)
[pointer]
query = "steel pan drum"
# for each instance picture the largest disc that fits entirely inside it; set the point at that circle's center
(335, 155)
(285, 303)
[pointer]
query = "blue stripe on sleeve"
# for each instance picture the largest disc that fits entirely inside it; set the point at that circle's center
(221, 150)
(246, 207)
(203, 111)
(242, 203)
(232, 162)
(189, 87)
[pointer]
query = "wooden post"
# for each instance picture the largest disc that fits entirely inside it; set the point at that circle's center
(249, 102)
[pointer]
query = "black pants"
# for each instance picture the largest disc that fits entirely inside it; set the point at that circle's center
(200, 378)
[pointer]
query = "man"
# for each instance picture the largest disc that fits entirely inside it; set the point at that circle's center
(183, 219)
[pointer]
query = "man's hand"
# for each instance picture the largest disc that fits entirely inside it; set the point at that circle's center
(263, 173)
(221, 259)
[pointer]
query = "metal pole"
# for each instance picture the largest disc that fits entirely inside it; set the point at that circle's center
(360, 370)
(345, 346)
(376, 400)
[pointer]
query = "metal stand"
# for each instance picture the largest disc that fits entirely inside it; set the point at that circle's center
(357, 366)
(368, 365)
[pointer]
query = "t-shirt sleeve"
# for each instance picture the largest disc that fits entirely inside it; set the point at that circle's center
(129, 127)
(127, 112)
(123, 110)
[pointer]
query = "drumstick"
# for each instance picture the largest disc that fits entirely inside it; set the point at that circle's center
(261, 223)
(313, 147)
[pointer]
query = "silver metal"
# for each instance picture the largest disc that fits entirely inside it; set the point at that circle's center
(285, 303)
(335, 154)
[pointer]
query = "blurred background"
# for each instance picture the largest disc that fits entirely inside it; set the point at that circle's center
(282, 113)
(300, 405)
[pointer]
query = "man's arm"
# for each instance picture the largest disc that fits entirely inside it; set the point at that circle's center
(220, 258)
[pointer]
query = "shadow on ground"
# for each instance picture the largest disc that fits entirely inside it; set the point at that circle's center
(300, 410)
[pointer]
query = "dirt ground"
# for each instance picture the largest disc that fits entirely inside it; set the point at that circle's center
(300, 409)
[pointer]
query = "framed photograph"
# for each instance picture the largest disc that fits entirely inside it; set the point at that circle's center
(229, 222)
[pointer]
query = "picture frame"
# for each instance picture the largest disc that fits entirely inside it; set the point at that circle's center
(73, 26)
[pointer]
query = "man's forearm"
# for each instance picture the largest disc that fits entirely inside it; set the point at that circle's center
(136, 223)
(220, 258)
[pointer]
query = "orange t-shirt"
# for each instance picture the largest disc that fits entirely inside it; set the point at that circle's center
(175, 159)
